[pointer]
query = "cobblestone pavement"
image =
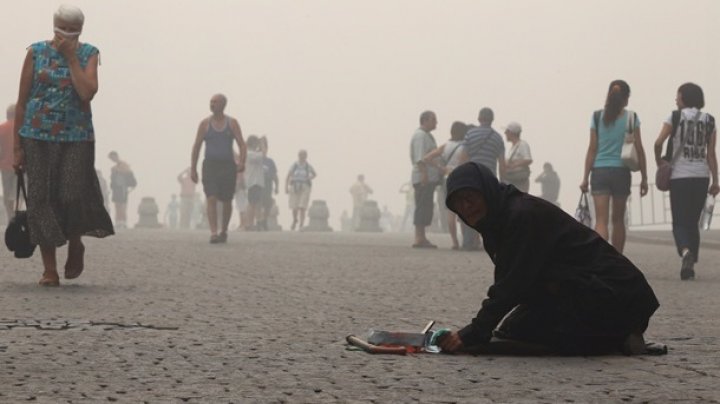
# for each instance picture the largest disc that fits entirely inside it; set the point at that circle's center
(166, 317)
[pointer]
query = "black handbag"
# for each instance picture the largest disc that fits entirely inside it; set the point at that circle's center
(17, 233)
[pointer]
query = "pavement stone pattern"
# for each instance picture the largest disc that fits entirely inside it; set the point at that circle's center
(162, 316)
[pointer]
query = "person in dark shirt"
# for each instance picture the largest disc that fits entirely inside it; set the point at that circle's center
(561, 285)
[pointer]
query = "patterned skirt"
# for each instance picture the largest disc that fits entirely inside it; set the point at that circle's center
(64, 196)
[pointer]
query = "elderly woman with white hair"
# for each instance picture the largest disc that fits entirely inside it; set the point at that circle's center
(55, 145)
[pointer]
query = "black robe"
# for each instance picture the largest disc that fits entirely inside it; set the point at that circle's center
(569, 285)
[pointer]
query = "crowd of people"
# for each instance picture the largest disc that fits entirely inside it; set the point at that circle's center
(690, 135)
(574, 292)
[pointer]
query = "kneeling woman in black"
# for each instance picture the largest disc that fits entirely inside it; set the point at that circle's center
(557, 283)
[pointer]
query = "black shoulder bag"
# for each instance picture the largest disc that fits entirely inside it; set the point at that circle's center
(17, 233)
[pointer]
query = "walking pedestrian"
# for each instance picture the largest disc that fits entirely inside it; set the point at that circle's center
(7, 157)
(254, 181)
(298, 185)
(187, 197)
(450, 154)
(122, 182)
(517, 170)
(171, 212)
(54, 143)
(219, 170)
(425, 178)
(691, 136)
(360, 191)
(549, 184)
(610, 183)
(483, 145)
(272, 185)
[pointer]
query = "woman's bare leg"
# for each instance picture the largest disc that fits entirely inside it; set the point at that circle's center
(50, 275)
(212, 215)
(619, 205)
(76, 258)
(452, 228)
(602, 212)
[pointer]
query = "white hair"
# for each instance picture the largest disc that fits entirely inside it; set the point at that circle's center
(69, 14)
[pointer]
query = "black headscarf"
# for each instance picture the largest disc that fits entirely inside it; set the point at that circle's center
(478, 177)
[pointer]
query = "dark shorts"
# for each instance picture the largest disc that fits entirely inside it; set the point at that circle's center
(267, 198)
(119, 194)
(613, 181)
(9, 185)
(218, 179)
(255, 194)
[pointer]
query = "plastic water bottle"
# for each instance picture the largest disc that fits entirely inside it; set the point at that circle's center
(707, 213)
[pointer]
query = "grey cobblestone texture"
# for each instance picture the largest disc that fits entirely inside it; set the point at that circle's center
(166, 317)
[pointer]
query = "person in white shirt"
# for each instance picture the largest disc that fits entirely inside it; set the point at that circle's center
(517, 168)
(691, 136)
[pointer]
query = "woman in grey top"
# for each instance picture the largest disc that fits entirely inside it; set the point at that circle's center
(691, 136)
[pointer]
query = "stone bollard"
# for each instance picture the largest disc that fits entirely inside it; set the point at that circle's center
(369, 218)
(148, 212)
(318, 215)
(272, 219)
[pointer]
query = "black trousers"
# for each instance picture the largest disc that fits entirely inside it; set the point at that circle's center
(687, 197)
(424, 204)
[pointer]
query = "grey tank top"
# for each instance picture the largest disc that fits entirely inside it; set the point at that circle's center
(219, 143)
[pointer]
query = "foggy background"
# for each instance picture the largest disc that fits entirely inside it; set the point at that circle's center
(347, 80)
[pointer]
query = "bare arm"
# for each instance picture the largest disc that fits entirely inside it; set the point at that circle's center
(287, 182)
(23, 95)
(502, 167)
(464, 156)
(662, 137)
(202, 128)
(589, 159)
(642, 160)
(242, 148)
(712, 163)
(431, 157)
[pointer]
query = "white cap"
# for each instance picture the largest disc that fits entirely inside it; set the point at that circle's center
(514, 127)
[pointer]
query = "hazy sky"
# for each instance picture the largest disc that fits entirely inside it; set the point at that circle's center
(346, 80)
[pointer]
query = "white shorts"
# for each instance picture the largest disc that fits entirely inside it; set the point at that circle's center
(300, 197)
(241, 200)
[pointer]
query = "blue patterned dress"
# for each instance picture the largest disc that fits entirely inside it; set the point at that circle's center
(58, 140)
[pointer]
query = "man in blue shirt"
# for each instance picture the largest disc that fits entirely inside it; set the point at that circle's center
(483, 145)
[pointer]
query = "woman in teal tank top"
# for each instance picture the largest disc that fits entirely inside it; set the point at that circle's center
(611, 180)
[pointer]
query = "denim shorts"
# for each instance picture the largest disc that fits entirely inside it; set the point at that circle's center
(613, 181)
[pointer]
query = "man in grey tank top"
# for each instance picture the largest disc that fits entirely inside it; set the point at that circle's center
(219, 169)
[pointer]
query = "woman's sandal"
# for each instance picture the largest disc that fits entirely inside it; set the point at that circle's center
(72, 273)
(49, 282)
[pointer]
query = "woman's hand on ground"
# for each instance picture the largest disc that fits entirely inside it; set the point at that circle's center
(450, 342)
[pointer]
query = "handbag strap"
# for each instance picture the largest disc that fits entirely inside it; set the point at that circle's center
(584, 200)
(452, 153)
(20, 187)
(630, 127)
